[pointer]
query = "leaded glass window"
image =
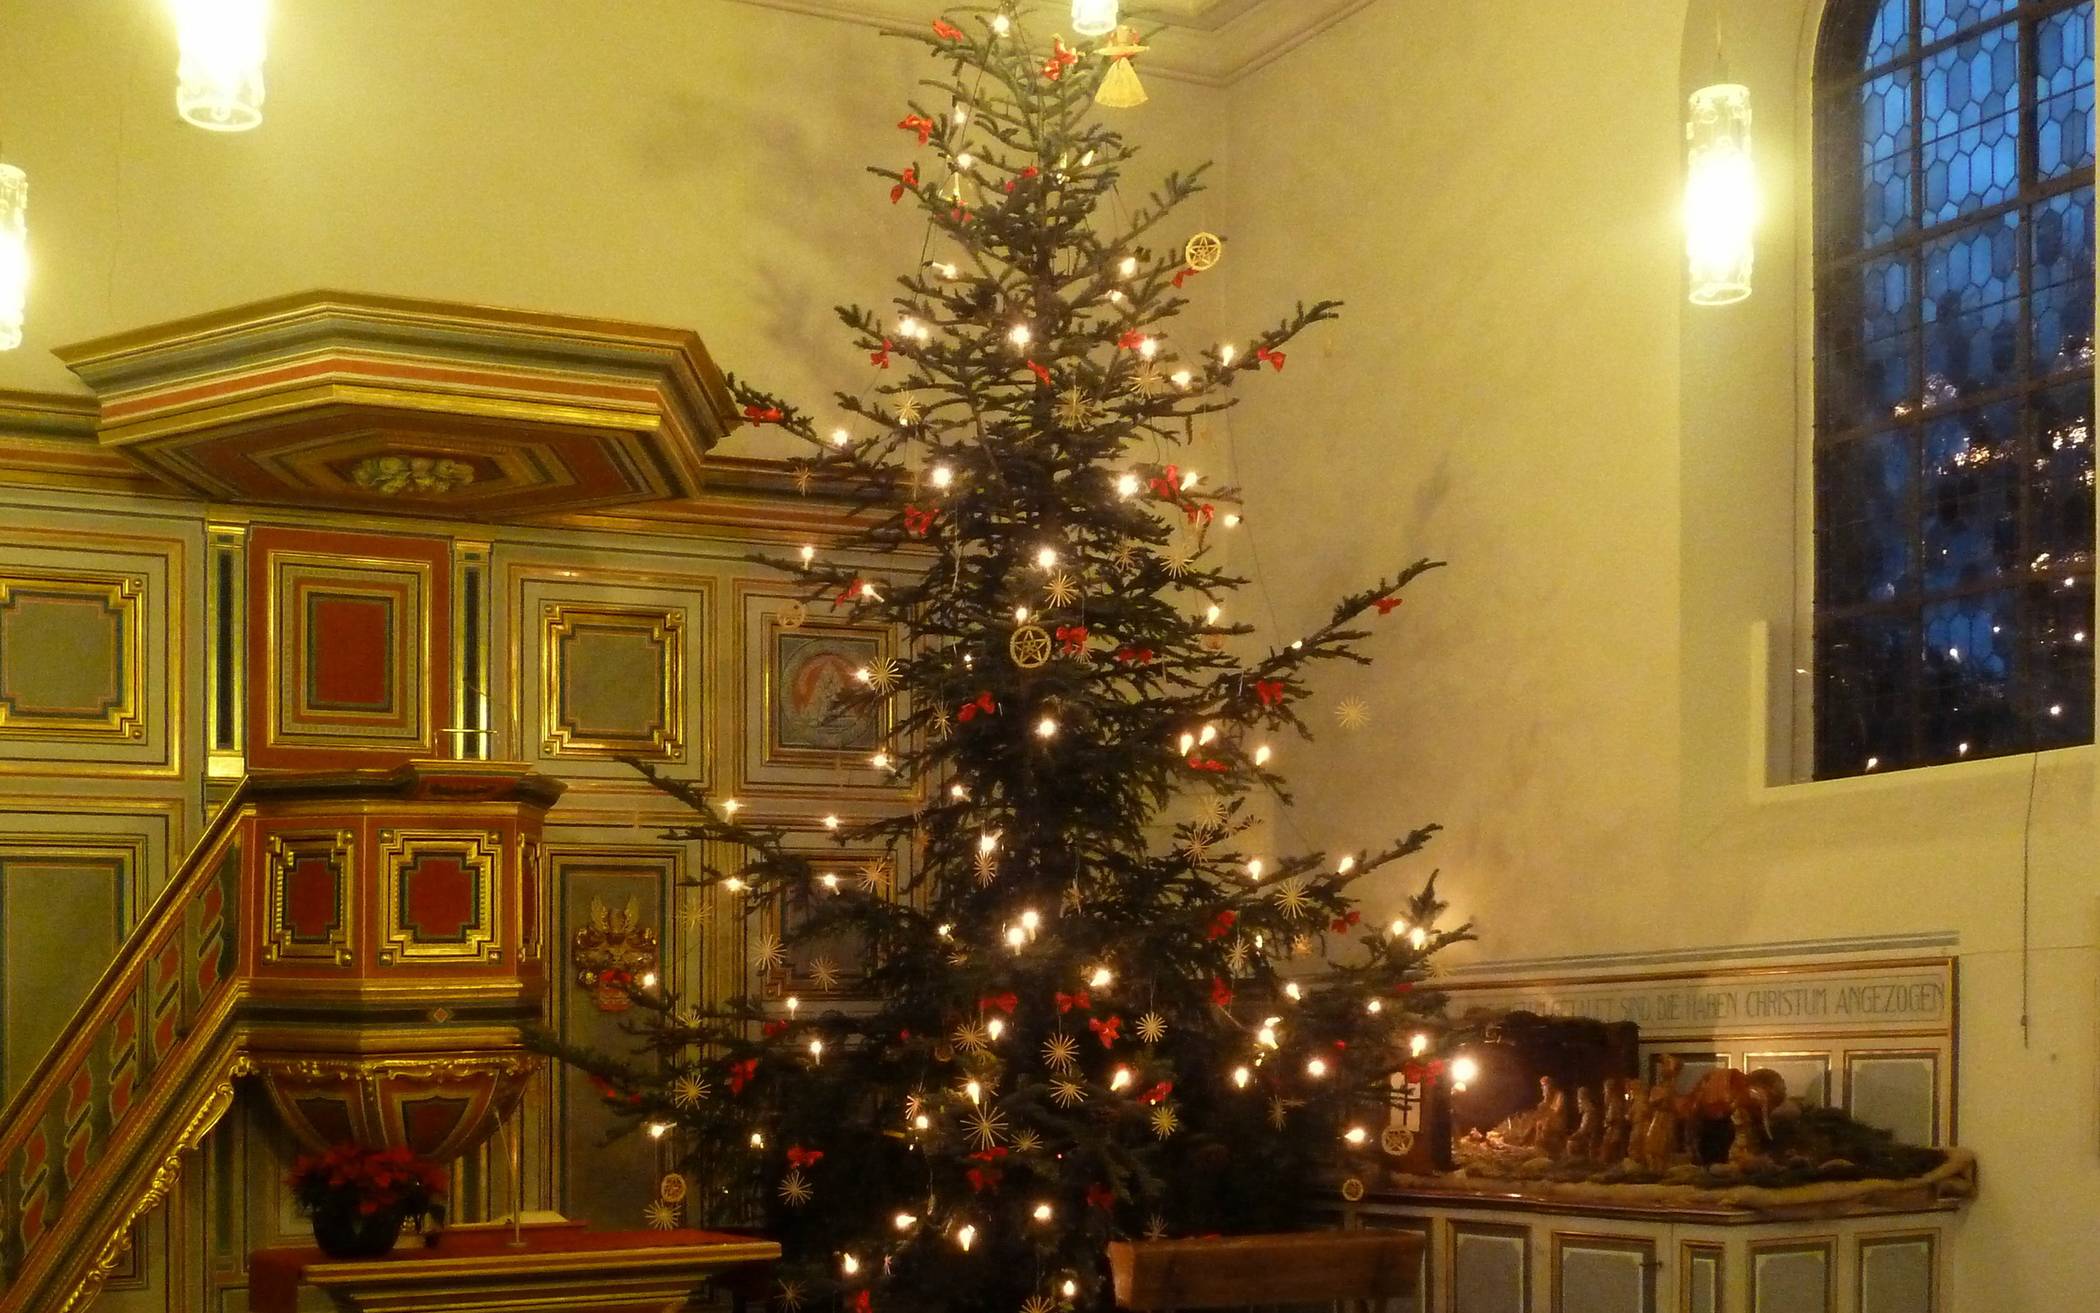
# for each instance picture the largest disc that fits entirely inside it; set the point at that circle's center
(1953, 488)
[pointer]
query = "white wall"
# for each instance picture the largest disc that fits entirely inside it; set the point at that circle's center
(1521, 388)
(685, 162)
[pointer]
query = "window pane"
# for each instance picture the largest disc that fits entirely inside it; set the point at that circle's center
(1869, 367)
(2063, 88)
(1891, 33)
(1944, 18)
(1971, 124)
(2060, 500)
(2060, 661)
(1884, 156)
(2063, 282)
(1971, 505)
(1865, 699)
(1972, 302)
(1968, 706)
(1863, 538)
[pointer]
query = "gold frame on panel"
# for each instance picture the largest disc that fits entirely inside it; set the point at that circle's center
(1865, 1240)
(122, 595)
(1940, 1071)
(852, 986)
(355, 575)
(1642, 1246)
(481, 854)
(559, 622)
(1753, 1060)
(1823, 1244)
(283, 851)
(226, 666)
(771, 632)
(1686, 1252)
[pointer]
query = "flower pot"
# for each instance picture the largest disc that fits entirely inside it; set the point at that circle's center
(342, 1230)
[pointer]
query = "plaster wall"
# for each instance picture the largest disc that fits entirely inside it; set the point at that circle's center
(1584, 697)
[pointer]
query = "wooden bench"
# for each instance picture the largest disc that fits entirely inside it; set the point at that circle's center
(1348, 1268)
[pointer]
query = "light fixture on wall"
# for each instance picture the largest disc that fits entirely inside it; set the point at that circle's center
(219, 81)
(1094, 17)
(1720, 189)
(14, 254)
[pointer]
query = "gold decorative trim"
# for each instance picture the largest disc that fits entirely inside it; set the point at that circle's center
(122, 595)
(289, 639)
(481, 857)
(284, 852)
(1825, 1245)
(1455, 1231)
(1641, 1248)
(561, 623)
(1866, 1240)
(1690, 1251)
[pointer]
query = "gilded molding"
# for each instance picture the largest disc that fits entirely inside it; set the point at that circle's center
(480, 859)
(284, 852)
(562, 624)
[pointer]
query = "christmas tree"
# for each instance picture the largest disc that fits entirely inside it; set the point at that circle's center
(1096, 1007)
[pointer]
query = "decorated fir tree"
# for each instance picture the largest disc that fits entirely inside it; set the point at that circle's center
(1097, 1006)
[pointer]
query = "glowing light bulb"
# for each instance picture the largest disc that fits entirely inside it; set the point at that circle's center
(1344, 866)
(904, 1221)
(1030, 920)
(987, 842)
(1094, 17)
(880, 761)
(829, 880)
(1397, 929)
(809, 553)
(1021, 614)
(922, 1122)
(840, 438)
(731, 806)
(1182, 378)
(1226, 353)
(658, 1130)
(1102, 978)
(966, 1237)
(758, 1140)
(1001, 24)
(14, 254)
(1464, 1070)
(1212, 616)
(849, 1264)
(1316, 1068)
(219, 76)
(1129, 266)
(1046, 558)
(1266, 1036)
(1254, 869)
(1418, 937)
(864, 675)
(1188, 744)
(1070, 1288)
(974, 1091)
(1190, 480)
(961, 115)
(1293, 993)
(831, 822)
(1374, 1006)
(1208, 736)
(1020, 335)
(946, 931)
(1721, 199)
(996, 1027)
(794, 1004)
(941, 477)
(1016, 937)
(1127, 485)
(816, 1050)
(1262, 755)
(959, 792)
(1356, 1135)
(1240, 1076)
(1418, 1044)
(1043, 1212)
(1121, 1079)
(733, 885)
(1148, 348)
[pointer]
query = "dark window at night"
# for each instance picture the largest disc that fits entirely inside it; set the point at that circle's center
(1954, 407)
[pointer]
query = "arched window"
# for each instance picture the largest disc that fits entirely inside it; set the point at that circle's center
(1954, 381)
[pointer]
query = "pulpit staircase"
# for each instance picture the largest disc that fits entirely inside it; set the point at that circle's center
(365, 945)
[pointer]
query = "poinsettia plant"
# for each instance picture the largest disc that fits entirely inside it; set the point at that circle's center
(352, 1178)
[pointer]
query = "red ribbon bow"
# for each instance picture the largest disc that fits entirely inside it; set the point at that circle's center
(946, 30)
(763, 414)
(960, 215)
(1386, 605)
(741, 1074)
(1061, 58)
(1221, 925)
(908, 181)
(1100, 1196)
(1274, 358)
(1342, 923)
(970, 710)
(1108, 1031)
(1006, 1003)
(920, 124)
(772, 1028)
(1072, 638)
(1135, 656)
(1167, 483)
(861, 1302)
(918, 522)
(1042, 374)
(1210, 764)
(801, 1157)
(1202, 513)
(852, 591)
(1080, 1000)
(1270, 691)
(1181, 278)
(1158, 1093)
(881, 359)
(983, 1178)
(1025, 174)
(1220, 992)
(1130, 341)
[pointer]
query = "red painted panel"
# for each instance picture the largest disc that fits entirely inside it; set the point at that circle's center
(427, 1121)
(352, 666)
(437, 899)
(311, 899)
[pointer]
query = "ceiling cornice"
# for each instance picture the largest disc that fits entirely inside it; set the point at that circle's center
(1212, 43)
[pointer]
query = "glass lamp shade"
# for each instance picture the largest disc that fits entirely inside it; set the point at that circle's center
(1720, 195)
(1094, 17)
(14, 254)
(219, 81)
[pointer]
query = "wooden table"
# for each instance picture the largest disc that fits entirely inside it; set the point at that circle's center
(560, 1266)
